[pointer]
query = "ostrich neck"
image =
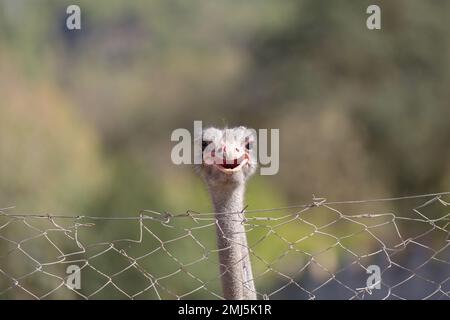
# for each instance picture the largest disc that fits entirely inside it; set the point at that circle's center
(228, 199)
(235, 265)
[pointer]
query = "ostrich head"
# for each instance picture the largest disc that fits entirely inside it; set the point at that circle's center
(228, 156)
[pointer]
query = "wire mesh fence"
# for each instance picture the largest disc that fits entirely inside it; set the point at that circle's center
(321, 250)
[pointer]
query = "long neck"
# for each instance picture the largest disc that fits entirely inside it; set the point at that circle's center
(228, 199)
(235, 266)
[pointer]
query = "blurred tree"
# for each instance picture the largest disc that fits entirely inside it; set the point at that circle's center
(392, 84)
(51, 161)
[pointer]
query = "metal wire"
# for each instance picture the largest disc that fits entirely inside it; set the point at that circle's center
(311, 251)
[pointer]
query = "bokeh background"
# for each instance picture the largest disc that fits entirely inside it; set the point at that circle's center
(86, 116)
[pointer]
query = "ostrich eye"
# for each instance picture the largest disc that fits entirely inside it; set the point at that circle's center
(205, 144)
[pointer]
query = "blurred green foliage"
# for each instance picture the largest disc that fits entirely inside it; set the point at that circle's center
(86, 116)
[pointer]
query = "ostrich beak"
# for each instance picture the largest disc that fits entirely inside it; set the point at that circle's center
(230, 168)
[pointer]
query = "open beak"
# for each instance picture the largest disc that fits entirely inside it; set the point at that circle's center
(229, 168)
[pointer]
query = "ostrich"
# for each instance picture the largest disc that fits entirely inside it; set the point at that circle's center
(228, 161)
